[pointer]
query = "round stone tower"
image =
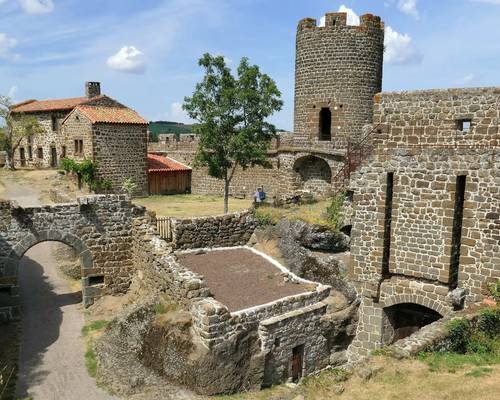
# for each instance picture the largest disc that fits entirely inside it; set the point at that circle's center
(338, 70)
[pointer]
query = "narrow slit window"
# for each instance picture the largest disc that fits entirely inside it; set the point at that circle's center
(456, 237)
(54, 123)
(389, 191)
(464, 125)
(325, 124)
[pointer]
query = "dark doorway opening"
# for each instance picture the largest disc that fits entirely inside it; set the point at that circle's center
(22, 156)
(297, 362)
(456, 237)
(53, 157)
(325, 124)
(401, 320)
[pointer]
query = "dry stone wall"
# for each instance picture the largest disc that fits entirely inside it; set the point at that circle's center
(219, 231)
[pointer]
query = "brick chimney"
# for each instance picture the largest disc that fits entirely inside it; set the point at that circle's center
(92, 89)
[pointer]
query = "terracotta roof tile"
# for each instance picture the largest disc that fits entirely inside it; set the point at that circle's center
(157, 163)
(111, 115)
(50, 105)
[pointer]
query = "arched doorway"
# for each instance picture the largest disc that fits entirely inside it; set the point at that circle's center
(401, 320)
(314, 174)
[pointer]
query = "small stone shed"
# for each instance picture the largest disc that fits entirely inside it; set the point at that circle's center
(167, 176)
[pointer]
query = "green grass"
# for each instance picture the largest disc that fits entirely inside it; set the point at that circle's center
(90, 360)
(94, 326)
(479, 372)
(451, 362)
(160, 308)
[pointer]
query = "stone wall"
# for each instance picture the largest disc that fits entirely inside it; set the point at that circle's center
(98, 228)
(121, 153)
(338, 67)
(220, 231)
(78, 127)
(420, 144)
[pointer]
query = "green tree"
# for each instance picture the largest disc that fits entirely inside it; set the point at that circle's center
(14, 129)
(231, 112)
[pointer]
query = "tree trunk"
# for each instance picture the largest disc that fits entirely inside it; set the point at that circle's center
(9, 160)
(226, 194)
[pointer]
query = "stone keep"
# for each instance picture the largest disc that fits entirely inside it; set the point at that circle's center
(339, 68)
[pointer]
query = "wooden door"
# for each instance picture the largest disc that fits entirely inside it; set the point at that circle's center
(297, 362)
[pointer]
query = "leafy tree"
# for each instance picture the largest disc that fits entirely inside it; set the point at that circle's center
(15, 129)
(231, 112)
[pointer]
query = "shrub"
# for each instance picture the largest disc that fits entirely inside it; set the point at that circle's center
(264, 218)
(129, 186)
(334, 211)
(68, 164)
(494, 289)
(460, 331)
(489, 322)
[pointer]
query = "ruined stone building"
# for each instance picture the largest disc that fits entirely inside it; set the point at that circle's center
(94, 127)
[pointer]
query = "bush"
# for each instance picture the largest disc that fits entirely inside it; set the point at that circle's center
(334, 211)
(460, 331)
(264, 218)
(68, 164)
(489, 322)
(494, 289)
(129, 186)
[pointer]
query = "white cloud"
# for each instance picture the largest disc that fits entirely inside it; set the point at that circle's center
(6, 45)
(469, 78)
(352, 17)
(128, 59)
(177, 114)
(37, 6)
(409, 7)
(399, 48)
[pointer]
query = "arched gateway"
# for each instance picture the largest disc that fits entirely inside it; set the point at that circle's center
(99, 228)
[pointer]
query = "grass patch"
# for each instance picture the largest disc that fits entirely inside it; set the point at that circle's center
(479, 372)
(94, 326)
(191, 205)
(160, 308)
(90, 360)
(451, 362)
(313, 213)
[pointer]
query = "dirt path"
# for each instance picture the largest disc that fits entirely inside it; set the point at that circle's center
(52, 364)
(52, 350)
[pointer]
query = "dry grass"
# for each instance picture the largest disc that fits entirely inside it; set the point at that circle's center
(405, 380)
(190, 205)
(314, 213)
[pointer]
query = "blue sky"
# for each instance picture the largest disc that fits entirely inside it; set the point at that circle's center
(145, 52)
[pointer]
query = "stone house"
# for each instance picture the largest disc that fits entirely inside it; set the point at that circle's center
(94, 127)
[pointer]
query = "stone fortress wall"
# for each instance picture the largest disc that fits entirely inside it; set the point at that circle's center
(414, 242)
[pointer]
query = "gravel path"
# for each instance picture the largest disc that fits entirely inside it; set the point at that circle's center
(52, 350)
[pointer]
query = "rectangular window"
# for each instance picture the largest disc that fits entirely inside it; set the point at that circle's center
(456, 235)
(96, 280)
(63, 151)
(39, 153)
(464, 125)
(325, 124)
(387, 224)
(78, 147)
(30, 152)
(54, 123)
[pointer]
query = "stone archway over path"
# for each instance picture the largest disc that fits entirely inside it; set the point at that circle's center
(99, 228)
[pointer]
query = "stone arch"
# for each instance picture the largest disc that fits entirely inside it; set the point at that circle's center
(313, 173)
(405, 314)
(11, 262)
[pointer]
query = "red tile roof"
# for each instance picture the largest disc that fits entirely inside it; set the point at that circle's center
(111, 115)
(157, 163)
(51, 105)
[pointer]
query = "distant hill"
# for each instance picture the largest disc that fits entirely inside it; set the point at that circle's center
(158, 127)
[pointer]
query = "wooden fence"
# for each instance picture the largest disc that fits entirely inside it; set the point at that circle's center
(164, 225)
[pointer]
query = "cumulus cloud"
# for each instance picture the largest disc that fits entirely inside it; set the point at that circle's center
(399, 48)
(6, 45)
(177, 114)
(409, 7)
(467, 79)
(352, 17)
(37, 6)
(128, 59)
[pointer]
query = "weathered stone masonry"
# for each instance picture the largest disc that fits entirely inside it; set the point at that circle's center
(98, 227)
(422, 145)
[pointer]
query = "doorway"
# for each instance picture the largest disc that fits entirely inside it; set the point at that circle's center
(297, 362)
(53, 157)
(22, 156)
